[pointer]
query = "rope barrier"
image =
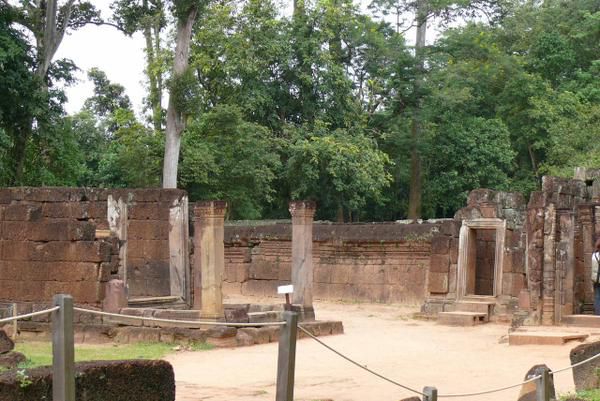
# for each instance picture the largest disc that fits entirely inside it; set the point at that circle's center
(495, 390)
(483, 392)
(308, 333)
(358, 364)
(576, 365)
(187, 322)
(553, 372)
(27, 315)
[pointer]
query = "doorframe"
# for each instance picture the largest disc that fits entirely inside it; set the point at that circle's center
(465, 237)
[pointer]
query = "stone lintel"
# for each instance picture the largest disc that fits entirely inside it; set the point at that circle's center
(302, 209)
(210, 209)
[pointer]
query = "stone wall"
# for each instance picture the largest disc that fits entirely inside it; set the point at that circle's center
(48, 242)
(387, 262)
(148, 252)
(48, 245)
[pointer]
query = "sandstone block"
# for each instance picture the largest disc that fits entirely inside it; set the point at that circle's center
(479, 196)
(451, 228)
(115, 296)
(439, 263)
(6, 344)
(438, 283)
(440, 244)
(23, 212)
(586, 375)
(11, 360)
(237, 315)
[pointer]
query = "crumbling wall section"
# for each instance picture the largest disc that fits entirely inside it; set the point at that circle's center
(387, 262)
(60, 240)
(48, 245)
(558, 229)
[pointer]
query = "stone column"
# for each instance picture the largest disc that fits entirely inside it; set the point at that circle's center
(302, 213)
(209, 258)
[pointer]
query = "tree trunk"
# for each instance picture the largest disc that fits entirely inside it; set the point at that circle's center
(48, 38)
(414, 200)
(175, 118)
(152, 37)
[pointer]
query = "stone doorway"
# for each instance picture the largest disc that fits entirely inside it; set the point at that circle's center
(480, 257)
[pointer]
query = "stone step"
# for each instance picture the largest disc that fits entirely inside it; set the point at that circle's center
(543, 338)
(167, 302)
(474, 306)
(581, 320)
(263, 317)
(462, 318)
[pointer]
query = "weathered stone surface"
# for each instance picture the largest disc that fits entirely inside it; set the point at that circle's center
(238, 315)
(528, 390)
(438, 283)
(440, 244)
(115, 297)
(11, 360)
(586, 375)
(221, 332)
(440, 263)
(479, 196)
(6, 344)
(98, 381)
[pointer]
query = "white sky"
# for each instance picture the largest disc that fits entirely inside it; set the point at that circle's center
(120, 57)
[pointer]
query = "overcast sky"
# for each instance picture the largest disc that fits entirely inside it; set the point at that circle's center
(119, 56)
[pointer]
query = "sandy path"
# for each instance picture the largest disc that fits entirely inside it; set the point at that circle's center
(386, 339)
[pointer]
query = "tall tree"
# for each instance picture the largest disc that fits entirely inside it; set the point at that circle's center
(149, 18)
(424, 11)
(47, 21)
(185, 12)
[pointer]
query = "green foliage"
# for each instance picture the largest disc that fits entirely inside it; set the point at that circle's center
(321, 103)
(134, 156)
(341, 169)
(466, 153)
(587, 395)
(40, 353)
(225, 157)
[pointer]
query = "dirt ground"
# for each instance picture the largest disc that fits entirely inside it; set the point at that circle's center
(386, 339)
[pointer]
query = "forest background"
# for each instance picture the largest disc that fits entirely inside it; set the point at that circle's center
(329, 103)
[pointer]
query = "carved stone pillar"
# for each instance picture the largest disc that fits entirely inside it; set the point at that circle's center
(209, 258)
(302, 213)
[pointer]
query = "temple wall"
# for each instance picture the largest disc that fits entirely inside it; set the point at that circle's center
(387, 262)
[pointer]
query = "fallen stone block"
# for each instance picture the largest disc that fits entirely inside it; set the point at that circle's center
(133, 380)
(6, 344)
(586, 375)
(11, 360)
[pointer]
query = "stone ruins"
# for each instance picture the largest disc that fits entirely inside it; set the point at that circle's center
(500, 258)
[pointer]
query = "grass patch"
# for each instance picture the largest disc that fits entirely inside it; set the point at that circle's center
(588, 395)
(40, 353)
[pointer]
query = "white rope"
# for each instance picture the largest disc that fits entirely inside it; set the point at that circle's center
(186, 322)
(495, 390)
(576, 365)
(27, 315)
(358, 364)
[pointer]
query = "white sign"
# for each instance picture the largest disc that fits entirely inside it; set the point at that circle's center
(285, 289)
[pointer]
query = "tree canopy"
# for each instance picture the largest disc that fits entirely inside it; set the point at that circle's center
(330, 101)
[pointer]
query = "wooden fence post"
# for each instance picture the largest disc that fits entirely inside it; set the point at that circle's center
(15, 312)
(63, 350)
(430, 394)
(286, 362)
(542, 388)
